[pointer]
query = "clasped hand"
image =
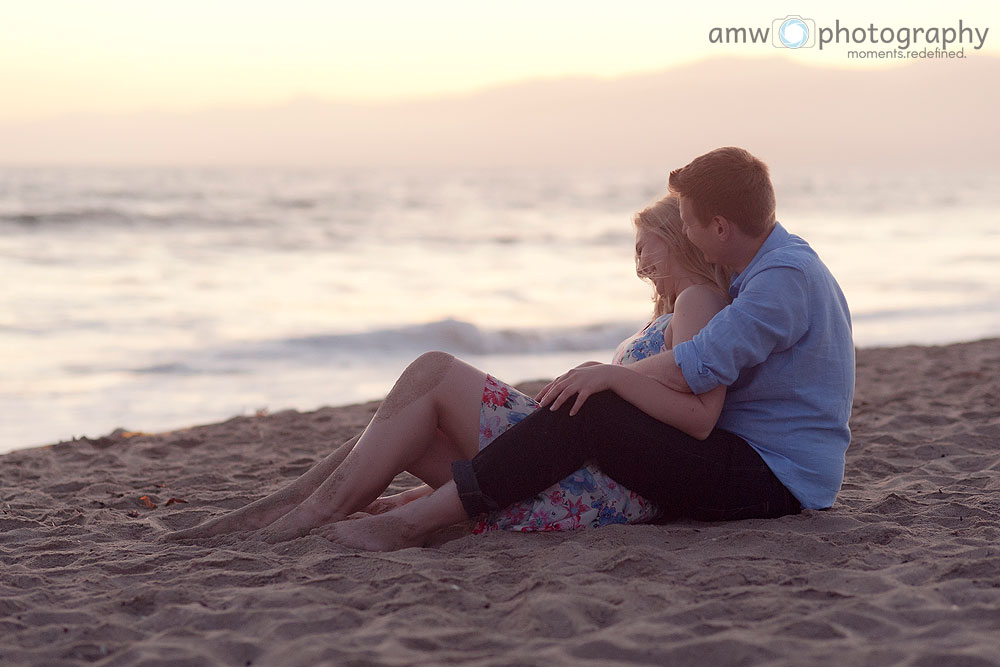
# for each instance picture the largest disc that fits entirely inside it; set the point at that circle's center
(583, 381)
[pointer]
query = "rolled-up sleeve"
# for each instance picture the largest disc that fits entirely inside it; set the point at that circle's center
(771, 312)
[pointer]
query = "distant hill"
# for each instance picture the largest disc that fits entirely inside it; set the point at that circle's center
(923, 113)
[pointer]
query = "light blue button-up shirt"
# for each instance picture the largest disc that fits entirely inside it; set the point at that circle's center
(784, 349)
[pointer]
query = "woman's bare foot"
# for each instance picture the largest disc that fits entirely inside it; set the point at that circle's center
(389, 503)
(374, 533)
(251, 517)
(303, 518)
(295, 524)
(265, 511)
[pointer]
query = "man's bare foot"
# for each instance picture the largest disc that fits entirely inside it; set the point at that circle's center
(374, 533)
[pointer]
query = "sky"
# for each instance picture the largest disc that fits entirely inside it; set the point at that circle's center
(64, 57)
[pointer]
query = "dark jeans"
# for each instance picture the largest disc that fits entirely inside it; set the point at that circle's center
(721, 478)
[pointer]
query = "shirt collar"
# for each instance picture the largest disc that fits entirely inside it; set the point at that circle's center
(775, 239)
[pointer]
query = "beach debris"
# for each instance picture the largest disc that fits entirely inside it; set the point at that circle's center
(150, 505)
(124, 434)
(171, 501)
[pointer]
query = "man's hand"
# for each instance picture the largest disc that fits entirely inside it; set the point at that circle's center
(583, 381)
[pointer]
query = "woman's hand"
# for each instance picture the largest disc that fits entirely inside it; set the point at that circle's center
(543, 390)
(583, 381)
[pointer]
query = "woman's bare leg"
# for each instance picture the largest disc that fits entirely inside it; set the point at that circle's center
(437, 394)
(269, 509)
(406, 526)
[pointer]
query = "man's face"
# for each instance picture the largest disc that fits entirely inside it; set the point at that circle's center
(697, 232)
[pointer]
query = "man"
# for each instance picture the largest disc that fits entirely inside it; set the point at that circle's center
(783, 348)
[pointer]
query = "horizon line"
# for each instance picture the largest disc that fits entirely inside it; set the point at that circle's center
(314, 98)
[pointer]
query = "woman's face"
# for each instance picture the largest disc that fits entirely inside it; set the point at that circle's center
(654, 260)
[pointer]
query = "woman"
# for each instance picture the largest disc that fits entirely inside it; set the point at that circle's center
(588, 497)
(442, 410)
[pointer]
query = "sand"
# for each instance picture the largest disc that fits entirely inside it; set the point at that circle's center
(903, 570)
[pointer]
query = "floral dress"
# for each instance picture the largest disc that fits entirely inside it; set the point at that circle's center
(585, 499)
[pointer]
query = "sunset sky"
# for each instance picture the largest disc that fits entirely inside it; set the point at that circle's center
(115, 56)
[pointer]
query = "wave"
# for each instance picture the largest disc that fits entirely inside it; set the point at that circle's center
(177, 368)
(107, 216)
(937, 311)
(69, 216)
(459, 337)
(364, 348)
(395, 345)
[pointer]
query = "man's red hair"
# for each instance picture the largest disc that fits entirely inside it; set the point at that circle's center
(729, 182)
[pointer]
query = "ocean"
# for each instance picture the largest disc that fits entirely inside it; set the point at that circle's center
(157, 298)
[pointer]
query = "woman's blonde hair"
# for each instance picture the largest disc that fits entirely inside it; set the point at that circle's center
(664, 219)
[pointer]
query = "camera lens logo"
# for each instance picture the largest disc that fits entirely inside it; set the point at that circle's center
(793, 32)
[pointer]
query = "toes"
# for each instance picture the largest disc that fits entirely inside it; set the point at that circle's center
(180, 535)
(323, 532)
